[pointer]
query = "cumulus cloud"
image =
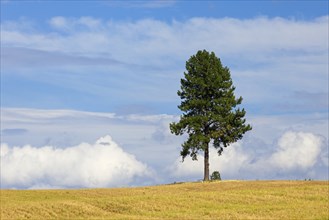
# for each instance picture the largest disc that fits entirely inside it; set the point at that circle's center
(279, 147)
(297, 150)
(294, 153)
(102, 164)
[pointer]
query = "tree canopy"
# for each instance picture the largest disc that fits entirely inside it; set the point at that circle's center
(210, 108)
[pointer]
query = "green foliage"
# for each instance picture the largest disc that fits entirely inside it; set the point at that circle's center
(209, 106)
(215, 176)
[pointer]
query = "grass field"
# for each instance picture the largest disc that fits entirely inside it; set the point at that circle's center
(213, 200)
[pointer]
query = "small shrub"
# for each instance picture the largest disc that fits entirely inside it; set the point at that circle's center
(215, 176)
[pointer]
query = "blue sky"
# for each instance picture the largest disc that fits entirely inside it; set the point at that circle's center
(74, 72)
(163, 10)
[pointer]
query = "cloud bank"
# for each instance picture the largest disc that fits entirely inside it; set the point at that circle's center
(279, 147)
(295, 154)
(102, 164)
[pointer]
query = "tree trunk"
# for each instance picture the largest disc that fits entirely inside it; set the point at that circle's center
(206, 163)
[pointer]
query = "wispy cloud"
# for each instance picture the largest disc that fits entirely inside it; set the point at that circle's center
(270, 38)
(13, 131)
(71, 24)
(276, 55)
(30, 58)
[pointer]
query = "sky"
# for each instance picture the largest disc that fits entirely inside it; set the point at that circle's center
(88, 89)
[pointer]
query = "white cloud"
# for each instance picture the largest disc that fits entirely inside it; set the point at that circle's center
(187, 168)
(296, 155)
(297, 150)
(229, 164)
(102, 164)
(62, 128)
(90, 22)
(294, 139)
(71, 24)
(59, 22)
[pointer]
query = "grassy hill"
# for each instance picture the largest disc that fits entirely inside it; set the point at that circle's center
(213, 200)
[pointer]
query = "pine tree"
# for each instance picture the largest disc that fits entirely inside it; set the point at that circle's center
(209, 106)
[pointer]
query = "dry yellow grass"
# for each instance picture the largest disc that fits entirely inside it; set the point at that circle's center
(213, 200)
